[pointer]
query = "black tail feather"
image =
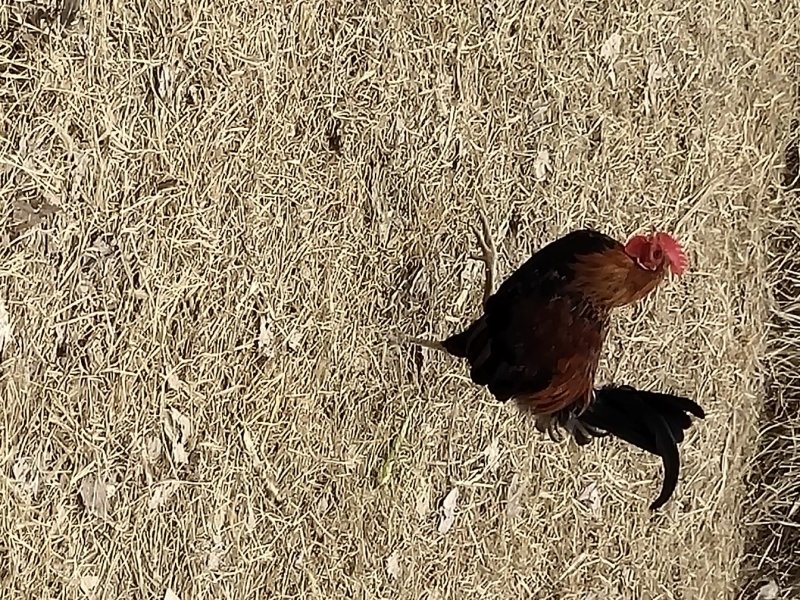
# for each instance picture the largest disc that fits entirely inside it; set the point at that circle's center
(652, 421)
(631, 415)
(667, 448)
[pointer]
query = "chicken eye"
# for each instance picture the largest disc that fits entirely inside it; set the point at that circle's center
(658, 254)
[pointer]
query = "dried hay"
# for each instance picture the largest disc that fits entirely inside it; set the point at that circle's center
(219, 217)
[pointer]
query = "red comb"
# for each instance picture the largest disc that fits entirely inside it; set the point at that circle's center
(674, 252)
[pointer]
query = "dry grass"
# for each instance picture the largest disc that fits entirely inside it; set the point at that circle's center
(773, 551)
(254, 201)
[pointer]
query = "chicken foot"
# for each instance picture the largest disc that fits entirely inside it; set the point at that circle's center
(582, 432)
(488, 256)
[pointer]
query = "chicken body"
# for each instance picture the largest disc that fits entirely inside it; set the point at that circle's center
(541, 333)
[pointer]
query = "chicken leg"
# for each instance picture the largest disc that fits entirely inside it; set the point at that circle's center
(488, 257)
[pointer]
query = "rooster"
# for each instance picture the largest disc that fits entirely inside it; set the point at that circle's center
(539, 339)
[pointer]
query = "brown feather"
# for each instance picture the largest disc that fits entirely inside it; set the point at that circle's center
(575, 336)
(613, 279)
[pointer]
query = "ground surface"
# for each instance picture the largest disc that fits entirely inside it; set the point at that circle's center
(220, 216)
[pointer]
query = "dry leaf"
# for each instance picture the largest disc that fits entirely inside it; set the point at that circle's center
(173, 381)
(79, 171)
(393, 565)
(219, 522)
(514, 499)
(21, 467)
(469, 274)
(61, 516)
(178, 429)
(448, 511)
(213, 560)
(611, 47)
(6, 329)
(162, 492)
(541, 165)
(248, 442)
(541, 114)
(170, 595)
(101, 247)
(295, 340)
(180, 454)
(655, 73)
(163, 81)
(462, 298)
(492, 454)
(26, 215)
(590, 497)
(423, 504)
(423, 507)
(88, 584)
(769, 591)
(266, 339)
(250, 448)
(152, 449)
(272, 486)
(26, 475)
(94, 495)
(250, 523)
